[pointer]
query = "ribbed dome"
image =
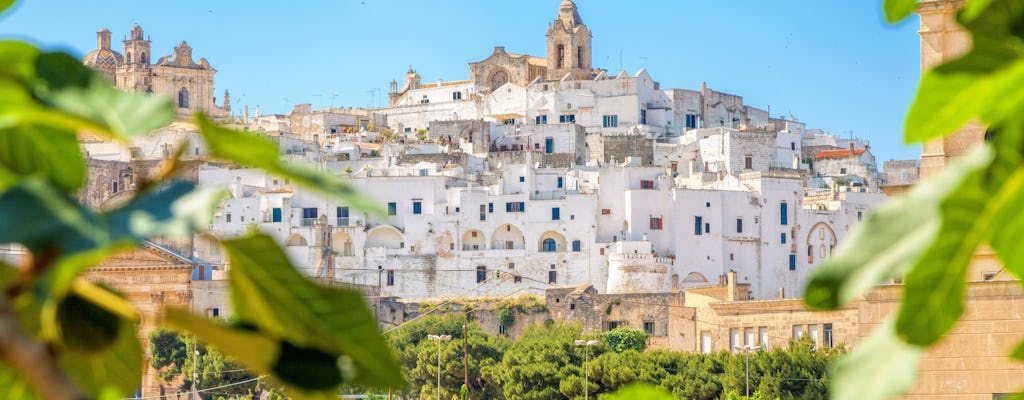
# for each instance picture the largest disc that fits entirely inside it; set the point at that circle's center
(104, 60)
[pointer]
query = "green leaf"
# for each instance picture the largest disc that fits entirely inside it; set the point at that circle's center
(124, 114)
(879, 367)
(239, 343)
(944, 103)
(116, 368)
(639, 391)
(28, 150)
(269, 293)
(85, 326)
(897, 10)
(890, 239)
(5, 4)
(14, 386)
(253, 151)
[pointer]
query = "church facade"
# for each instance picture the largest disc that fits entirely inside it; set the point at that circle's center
(189, 84)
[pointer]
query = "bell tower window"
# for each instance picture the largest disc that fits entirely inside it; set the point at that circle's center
(561, 56)
(183, 98)
(579, 56)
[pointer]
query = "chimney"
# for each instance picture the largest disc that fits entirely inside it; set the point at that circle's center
(852, 153)
(730, 281)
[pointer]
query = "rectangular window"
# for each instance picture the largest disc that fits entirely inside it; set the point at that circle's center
(517, 279)
(691, 121)
(645, 184)
(481, 274)
(342, 216)
(798, 332)
(559, 183)
(782, 238)
(697, 225)
(812, 330)
(490, 207)
(552, 277)
(275, 214)
(522, 179)
(606, 211)
(656, 223)
(391, 277)
(748, 337)
(748, 162)
(556, 214)
(842, 171)
(541, 119)
(576, 245)
(734, 340)
(705, 342)
(566, 118)
(649, 327)
(792, 262)
(739, 225)
(860, 214)
(309, 215)
(707, 227)
(417, 207)
(643, 117)
(483, 212)
(827, 335)
(762, 339)
(784, 213)
(515, 206)
(792, 145)
(392, 208)
(609, 121)
(456, 95)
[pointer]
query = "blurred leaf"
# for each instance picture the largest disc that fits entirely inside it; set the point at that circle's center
(241, 344)
(269, 293)
(19, 59)
(639, 391)
(61, 71)
(84, 326)
(879, 367)
(13, 386)
(253, 151)
(307, 368)
(891, 238)
(115, 368)
(4, 4)
(952, 100)
(897, 10)
(124, 114)
(28, 150)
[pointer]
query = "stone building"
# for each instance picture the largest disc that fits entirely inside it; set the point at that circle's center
(189, 84)
(152, 278)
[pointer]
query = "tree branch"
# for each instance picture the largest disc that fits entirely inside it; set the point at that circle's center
(33, 360)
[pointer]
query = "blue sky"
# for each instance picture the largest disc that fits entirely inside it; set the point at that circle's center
(835, 65)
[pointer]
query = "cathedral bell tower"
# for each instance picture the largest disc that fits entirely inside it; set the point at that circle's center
(135, 73)
(568, 45)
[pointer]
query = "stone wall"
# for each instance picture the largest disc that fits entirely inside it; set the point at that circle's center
(902, 172)
(619, 147)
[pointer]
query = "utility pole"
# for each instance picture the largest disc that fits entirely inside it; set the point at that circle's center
(587, 344)
(746, 354)
(439, 339)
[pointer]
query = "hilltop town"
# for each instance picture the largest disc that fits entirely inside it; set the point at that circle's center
(601, 195)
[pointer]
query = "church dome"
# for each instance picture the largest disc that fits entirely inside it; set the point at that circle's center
(105, 61)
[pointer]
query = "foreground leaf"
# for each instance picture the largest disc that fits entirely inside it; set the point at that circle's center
(43, 150)
(257, 152)
(879, 367)
(897, 10)
(117, 368)
(268, 292)
(890, 240)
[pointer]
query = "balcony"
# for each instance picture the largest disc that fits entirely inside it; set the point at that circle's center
(348, 221)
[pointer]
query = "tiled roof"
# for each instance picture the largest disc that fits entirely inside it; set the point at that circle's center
(836, 153)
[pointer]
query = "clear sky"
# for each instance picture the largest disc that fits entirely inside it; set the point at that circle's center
(835, 65)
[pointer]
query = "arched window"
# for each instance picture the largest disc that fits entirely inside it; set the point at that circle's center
(143, 59)
(128, 57)
(548, 245)
(576, 245)
(561, 56)
(183, 98)
(810, 254)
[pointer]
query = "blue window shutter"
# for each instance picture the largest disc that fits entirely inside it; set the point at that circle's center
(508, 207)
(784, 213)
(792, 262)
(783, 237)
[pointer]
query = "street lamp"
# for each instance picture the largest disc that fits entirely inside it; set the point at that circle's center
(746, 354)
(439, 339)
(586, 364)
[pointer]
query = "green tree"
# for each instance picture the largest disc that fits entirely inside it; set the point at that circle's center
(620, 339)
(929, 236)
